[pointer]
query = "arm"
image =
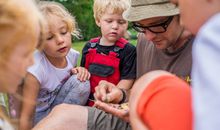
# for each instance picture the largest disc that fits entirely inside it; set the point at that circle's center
(30, 92)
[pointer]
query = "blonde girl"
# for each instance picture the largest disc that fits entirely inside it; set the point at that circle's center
(50, 79)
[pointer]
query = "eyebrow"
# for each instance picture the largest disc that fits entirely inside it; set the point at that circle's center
(64, 26)
(156, 22)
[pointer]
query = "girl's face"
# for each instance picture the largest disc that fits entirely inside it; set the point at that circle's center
(112, 26)
(13, 68)
(58, 40)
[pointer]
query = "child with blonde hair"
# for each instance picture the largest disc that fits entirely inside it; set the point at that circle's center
(51, 80)
(110, 57)
(21, 31)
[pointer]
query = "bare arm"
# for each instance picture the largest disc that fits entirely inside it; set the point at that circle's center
(30, 92)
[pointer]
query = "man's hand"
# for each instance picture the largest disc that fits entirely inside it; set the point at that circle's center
(114, 109)
(108, 92)
(82, 73)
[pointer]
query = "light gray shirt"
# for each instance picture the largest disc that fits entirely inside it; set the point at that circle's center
(205, 75)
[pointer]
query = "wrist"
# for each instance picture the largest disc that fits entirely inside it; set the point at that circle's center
(124, 96)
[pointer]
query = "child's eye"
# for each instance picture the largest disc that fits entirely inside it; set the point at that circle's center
(122, 22)
(108, 21)
(50, 37)
(64, 32)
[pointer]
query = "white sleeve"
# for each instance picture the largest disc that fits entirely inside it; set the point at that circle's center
(73, 55)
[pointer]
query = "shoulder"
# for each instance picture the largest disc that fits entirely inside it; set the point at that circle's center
(87, 45)
(129, 47)
(39, 60)
(73, 52)
(73, 56)
(38, 56)
(40, 63)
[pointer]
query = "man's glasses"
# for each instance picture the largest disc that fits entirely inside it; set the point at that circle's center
(158, 28)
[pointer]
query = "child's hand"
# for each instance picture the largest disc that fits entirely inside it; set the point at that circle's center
(82, 73)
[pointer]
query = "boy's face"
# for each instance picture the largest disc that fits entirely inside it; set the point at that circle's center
(112, 26)
(58, 40)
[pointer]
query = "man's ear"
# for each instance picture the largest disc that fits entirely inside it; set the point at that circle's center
(97, 21)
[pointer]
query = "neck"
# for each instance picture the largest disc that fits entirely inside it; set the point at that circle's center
(57, 62)
(181, 41)
(104, 42)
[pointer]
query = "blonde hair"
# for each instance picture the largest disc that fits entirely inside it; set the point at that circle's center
(49, 9)
(117, 6)
(18, 21)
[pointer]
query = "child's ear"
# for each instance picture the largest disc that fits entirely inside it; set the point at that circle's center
(97, 22)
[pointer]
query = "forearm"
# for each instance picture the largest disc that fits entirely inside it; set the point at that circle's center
(27, 112)
(30, 92)
(125, 86)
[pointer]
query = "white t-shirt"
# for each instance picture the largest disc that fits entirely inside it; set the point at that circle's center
(50, 77)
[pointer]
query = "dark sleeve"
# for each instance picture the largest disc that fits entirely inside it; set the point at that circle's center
(84, 52)
(128, 62)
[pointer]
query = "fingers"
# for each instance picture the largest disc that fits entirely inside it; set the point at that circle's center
(115, 96)
(108, 92)
(82, 73)
(113, 109)
(101, 92)
(106, 107)
(74, 70)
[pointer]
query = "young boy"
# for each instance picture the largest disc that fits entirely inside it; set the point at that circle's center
(110, 57)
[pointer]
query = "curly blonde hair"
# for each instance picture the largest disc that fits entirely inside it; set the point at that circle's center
(117, 6)
(49, 8)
